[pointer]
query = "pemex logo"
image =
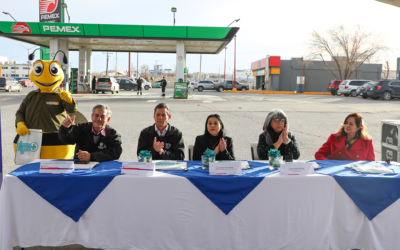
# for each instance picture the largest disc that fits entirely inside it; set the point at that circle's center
(20, 28)
(47, 6)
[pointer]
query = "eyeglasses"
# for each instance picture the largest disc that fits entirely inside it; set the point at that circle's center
(279, 120)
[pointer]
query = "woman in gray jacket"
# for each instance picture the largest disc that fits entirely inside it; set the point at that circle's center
(276, 136)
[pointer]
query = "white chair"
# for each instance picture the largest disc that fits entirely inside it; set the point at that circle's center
(253, 149)
(190, 149)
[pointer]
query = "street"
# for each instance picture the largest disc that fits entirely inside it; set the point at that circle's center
(312, 118)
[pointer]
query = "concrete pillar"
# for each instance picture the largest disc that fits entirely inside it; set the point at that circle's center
(82, 69)
(57, 44)
(180, 60)
(89, 67)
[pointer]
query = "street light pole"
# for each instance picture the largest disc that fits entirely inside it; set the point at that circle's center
(236, 20)
(225, 64)
(6, 13)
(28, 55)
(234, 70)
(173, 9)
(64, 5)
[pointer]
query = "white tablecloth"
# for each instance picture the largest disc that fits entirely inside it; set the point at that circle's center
(168, 212)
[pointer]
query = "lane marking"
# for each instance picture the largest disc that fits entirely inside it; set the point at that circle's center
(5, 99)
(151, 100)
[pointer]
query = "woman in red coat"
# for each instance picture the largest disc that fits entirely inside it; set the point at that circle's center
(351, 142)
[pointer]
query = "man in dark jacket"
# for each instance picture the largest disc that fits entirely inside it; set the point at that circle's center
(163, 85)
(95, 141)
(164, 141)
(139, 85)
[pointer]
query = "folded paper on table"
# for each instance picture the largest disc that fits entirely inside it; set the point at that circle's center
(138, 168)
(297, 168)
(226, 168)
(56, 167)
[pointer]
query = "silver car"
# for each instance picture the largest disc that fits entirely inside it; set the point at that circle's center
(107, 84)
(349, 87)
(9, 84)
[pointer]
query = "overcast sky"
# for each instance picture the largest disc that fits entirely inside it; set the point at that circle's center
(280, 28)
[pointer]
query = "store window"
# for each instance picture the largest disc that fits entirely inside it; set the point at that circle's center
(5, 67)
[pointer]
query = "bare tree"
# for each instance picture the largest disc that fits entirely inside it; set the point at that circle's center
(144, 72)
(386, 70)
(347, 49)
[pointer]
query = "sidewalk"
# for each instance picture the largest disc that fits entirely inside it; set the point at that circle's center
(265, 92)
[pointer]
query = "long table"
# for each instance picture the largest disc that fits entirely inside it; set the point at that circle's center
(165, 211)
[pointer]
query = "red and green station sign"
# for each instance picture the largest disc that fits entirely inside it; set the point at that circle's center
(115, 30)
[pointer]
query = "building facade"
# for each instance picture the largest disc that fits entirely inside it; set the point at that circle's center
(317, 76)
(14, 69)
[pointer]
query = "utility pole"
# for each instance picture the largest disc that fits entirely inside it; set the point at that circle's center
(200, 68)
(219, 72)
(116, 64)
(129, 71)
(137, 65)
(107, 66)
(157, 65)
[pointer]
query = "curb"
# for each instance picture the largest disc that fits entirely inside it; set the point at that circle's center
(278, 92)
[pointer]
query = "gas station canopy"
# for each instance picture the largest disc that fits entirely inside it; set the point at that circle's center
(122, 38)
(391, 2)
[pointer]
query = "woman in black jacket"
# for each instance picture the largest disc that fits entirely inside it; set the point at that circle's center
(214, 138)
(276, 136)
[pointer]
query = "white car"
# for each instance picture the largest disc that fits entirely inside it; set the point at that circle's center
(107, 84)
(145, 84)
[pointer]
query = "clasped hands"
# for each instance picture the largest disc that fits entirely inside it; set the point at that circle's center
(158, 146)
(283, 138)
(221, 146)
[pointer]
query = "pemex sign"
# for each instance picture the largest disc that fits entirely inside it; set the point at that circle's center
(61, 29)
(50, 11)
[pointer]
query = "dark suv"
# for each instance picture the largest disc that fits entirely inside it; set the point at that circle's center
(387, 89)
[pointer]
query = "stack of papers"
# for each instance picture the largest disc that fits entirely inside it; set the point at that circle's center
(374, 168)
(170, 165)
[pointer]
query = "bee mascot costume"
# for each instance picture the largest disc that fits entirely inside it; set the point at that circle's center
(46, 108)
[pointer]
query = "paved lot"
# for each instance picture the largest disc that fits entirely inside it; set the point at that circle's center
(311, 118)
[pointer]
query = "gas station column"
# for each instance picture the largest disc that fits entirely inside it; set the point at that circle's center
(57, 44)
(180, 60)
(89, 67)
(82, 69)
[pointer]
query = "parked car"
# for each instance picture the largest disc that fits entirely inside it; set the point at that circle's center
(333, 86)
(349, 87)
(145, 84)
(204, 85)
(228, 85)
(362, 90)
(385, 89)
(191, 85)
(26, 83)
(9, 84)
(156, 84)
(107, 84)
(127, 84)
